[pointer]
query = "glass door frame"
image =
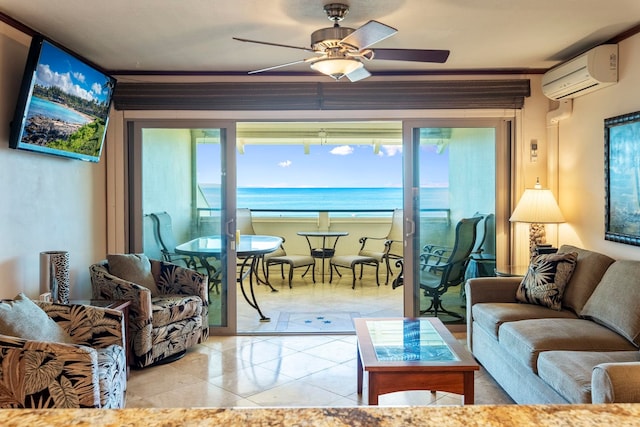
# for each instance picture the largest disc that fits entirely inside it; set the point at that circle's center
(503, 122)
(505, 138)
(228, 178)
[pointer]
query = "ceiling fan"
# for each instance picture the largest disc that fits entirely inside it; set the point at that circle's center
(340, 51)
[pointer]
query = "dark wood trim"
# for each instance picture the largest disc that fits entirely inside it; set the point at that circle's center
(280, 73)
(624, 35)
(17, 25)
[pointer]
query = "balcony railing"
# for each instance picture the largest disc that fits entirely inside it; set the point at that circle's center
(435, 225)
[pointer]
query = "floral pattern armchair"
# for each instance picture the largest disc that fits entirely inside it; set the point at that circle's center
(90, 373)
(161, 326)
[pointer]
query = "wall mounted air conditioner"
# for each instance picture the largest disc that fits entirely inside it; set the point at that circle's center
(593, 70)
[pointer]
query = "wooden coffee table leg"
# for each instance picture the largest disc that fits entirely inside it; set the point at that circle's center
(373, 388)
(360, 371)
(468, 388)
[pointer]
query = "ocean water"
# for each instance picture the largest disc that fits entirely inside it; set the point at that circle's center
(39, 106)
(328, 199)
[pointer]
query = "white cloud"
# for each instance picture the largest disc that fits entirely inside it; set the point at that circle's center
(79, 76)
(96, 88)
(343, 150)
(392, 150)
(285, 164)
(47, 77)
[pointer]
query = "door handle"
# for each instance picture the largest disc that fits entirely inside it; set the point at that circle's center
(411, 227)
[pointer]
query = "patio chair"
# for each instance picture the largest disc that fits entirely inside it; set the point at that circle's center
(281, 258)
(164, 231)
(244, 221)
(166, 238)
(483, 258)
(441, 270)
(352, 262)
(387, 248)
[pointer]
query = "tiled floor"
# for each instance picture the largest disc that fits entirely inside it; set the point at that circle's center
(367, 300)
(292, 370)
(264, 369)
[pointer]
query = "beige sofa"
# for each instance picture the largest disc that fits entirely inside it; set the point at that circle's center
(586, 352)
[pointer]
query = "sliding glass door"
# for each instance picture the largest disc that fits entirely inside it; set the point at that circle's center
(449, 169)
(179, 169)
(455, 172)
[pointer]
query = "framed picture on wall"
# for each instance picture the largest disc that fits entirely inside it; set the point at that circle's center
(622, 178)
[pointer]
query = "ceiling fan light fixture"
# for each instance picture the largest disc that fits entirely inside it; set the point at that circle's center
(337, 67)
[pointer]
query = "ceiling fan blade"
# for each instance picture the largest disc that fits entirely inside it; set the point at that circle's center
(417, 55)
(359, 74)
(274, 44)
(370, 33)
(279, 66)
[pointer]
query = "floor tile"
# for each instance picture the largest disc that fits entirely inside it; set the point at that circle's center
(260, 367)
(297, 393)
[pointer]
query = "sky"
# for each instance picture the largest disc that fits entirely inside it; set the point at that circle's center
(324, 166)
(58, 68)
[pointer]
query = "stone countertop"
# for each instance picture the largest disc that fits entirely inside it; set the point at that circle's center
(619, 415)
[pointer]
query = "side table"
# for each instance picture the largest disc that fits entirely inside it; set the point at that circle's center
(120, 305)
(325, 251)
(511, 271)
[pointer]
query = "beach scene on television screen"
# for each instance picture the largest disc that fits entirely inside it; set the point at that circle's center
(69, 104)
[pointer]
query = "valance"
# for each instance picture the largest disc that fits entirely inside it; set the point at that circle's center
(395, 95)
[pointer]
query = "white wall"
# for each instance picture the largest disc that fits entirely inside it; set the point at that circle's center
(46, 202)
(167, 177)
(581, 158)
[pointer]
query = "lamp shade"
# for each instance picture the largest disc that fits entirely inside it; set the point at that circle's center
(537, 205)
(336, 67)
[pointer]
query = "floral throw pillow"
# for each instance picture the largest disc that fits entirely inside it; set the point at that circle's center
(546, 279)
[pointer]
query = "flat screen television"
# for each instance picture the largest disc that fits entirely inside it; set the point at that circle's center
(63, 105)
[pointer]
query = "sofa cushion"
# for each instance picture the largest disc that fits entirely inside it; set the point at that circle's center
(546, 279)
(22, 318)
(526, 339)
(167, 309)
(569, 372)
(135, 268)
(490, 316)
(587, 274)
(614, 303)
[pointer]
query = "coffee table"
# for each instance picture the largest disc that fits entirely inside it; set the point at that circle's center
(412, 354)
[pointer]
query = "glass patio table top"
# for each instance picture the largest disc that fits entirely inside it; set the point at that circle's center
(212, 245)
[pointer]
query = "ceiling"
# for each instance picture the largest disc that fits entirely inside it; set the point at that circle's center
(195, 36)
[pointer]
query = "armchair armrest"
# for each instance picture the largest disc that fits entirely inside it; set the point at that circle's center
(616, 383)
(433, 255)
(363, 243)
(107, 286)
(96, 327)
(389, 243)
(23, 385)
(174, 279)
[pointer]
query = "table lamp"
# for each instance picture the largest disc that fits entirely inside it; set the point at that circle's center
(537, 206)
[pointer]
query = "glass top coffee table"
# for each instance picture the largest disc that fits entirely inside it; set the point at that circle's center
(403, 354)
